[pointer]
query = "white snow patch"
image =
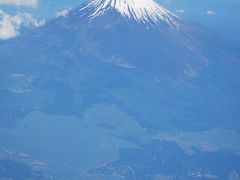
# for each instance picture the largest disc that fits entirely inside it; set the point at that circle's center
(139, 10)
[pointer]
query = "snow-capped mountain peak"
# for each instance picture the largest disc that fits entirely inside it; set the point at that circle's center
(139, 10)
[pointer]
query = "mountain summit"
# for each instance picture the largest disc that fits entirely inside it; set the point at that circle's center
(143, 11)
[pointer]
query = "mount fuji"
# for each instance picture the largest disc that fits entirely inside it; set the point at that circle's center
(131, 34)
(120, 89)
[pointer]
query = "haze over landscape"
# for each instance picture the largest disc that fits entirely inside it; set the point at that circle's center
(119, 89)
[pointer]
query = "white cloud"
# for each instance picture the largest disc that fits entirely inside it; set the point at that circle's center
(11, 24)
(62, 13)
(32, 3)
(180, 11)
(211, 13)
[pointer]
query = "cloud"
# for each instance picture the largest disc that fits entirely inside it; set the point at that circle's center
(62, 13)
(32, 3)
(180, 11)
(11, 24)
(211, 13)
